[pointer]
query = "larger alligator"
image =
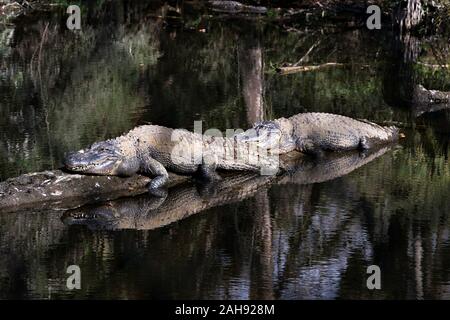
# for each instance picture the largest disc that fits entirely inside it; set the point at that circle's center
(316, 132)
(152, 150)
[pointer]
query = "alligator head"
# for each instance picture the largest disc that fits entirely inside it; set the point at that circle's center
(102, 158)
(100, 217)
(268, 135)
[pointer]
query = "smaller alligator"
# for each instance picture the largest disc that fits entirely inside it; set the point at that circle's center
(315, 132)
(152, 150)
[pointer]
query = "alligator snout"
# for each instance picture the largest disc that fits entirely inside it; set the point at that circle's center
(74, 161)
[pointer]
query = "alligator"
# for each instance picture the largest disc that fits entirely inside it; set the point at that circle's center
(152, 150)
(185, 200)
(315, 132)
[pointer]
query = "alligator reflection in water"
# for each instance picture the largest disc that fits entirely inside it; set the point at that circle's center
(146, 212)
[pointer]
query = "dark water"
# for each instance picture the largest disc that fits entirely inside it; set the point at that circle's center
(292, 239)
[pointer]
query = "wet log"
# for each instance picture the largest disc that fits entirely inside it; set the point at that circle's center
(59, 190)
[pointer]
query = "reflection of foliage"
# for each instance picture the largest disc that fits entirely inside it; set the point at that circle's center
(434, 78)
(200, 78)
(96, 97)
(57, 103)
(5, 38)
(140, 46)
(433, 69)
(354, 89)
(329, 91)
(334, 225)
(440, 20)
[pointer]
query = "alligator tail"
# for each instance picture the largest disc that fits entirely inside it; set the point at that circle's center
(393, 132)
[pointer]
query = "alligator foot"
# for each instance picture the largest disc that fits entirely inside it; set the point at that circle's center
(208, 173)
(157, 187)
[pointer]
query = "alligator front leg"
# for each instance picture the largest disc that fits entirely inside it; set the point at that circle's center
(160, 177)
(364, 144)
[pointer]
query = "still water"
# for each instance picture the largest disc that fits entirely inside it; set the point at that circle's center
(310, 235)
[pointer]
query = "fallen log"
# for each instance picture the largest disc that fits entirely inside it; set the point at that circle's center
(296, 69)
(434, 66)
(59, 190)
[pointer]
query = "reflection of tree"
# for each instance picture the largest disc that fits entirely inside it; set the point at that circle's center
(251, 70)
(250, 61)
(261, 286)
(321, 244)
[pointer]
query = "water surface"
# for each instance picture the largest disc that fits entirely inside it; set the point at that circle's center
(61, 91)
